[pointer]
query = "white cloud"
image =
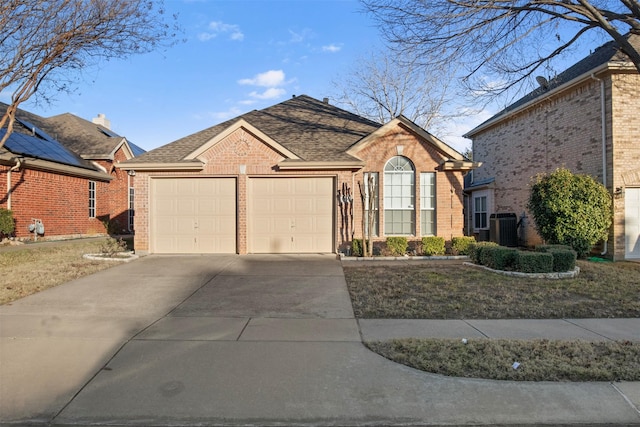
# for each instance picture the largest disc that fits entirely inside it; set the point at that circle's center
(271, 78)
(218, 27)
(332, 48)
(224, 115)
(271, 93)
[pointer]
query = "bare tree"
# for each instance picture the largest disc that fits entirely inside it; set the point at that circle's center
(504, 39)
(381, 87)
(43, 43)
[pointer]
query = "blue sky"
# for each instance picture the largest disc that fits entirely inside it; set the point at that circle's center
(238, 56)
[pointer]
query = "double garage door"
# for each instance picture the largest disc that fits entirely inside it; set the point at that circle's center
(200, 215)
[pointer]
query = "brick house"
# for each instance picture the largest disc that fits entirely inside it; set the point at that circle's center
(278, 180)
(60, 171)
(585, 119)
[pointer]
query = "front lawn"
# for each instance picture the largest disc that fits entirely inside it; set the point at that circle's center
(453, 291)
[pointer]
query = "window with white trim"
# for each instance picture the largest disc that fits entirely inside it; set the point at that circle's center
(92, 199)
(428, 203)
(399, 197)
(480, 212)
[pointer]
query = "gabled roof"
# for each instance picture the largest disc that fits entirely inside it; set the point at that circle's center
(308, 133)
(607, 55)
(88, 139)
(302, 129)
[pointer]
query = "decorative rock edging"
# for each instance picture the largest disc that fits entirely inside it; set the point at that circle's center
(556, 275)
(404, 258)
(121, 257)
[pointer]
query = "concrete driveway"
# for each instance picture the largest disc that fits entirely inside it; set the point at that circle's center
(250, 340)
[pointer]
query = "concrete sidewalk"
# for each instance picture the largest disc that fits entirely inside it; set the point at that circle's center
(260, 340)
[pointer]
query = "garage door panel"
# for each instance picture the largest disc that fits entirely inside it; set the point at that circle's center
(290, 215)
(193, 215)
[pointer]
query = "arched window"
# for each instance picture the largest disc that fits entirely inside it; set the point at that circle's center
(399, 197)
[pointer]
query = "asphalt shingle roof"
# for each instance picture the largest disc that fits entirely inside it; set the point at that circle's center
(607, 53)
(311, 129)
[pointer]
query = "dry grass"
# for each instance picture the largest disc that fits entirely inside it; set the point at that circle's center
(456, 292)
(39, 266)
(539, 360)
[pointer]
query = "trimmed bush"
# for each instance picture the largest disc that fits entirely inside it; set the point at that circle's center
(534, 262)
(563, 259)
(397, 245)
(475, 250)
(7, 224)
(547, 248)
(433, 245)
(571, 209)
(499, 257)
(460, 245)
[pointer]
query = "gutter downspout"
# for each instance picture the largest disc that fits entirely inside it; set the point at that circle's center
(603, 120)
(9, 191)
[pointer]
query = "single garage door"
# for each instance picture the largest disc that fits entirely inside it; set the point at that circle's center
(632, 223)
(193, 215)
(290, 215)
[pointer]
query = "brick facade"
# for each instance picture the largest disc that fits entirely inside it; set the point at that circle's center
(564, 130)
(242, 155)
(61, 201)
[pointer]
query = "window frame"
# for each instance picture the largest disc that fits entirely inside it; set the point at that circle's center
(432, 209)
(92, 199)
(407, 193)
(481, 215)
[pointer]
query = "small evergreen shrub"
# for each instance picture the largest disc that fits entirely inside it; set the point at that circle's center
(563, 259)
(433, 245)
(7, 224)
(547, 248)
(356, 247)
(397, 246)
(460, 245)
(499, 257)
(475, 250)
(534, 262)
(111, 246)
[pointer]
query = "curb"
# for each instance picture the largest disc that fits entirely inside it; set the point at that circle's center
(404, 258)
(130, 256)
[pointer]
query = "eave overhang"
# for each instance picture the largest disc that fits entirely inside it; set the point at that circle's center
(450, 165)
(304, 165)
(53, 167)
(194, 165)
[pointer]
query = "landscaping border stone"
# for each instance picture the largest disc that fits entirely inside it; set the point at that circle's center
(554, 275)
(121, 257)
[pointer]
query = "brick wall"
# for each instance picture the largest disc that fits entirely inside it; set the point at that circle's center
(242, 148)
(116, 195)
(563, 131)
(60, 201)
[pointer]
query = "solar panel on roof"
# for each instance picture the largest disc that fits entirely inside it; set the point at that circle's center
(108, 132)
(47, 149)
(35, 129)
(137, 151)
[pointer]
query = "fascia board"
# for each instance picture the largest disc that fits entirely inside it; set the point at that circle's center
(178, 166)
(284, 165)
(241, 124)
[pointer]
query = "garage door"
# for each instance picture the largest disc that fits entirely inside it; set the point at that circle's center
(290, 215)
(193, 215)
(632, 223)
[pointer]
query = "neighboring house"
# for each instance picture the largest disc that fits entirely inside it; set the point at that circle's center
(60, 171)
(278, 181)
(587, 120)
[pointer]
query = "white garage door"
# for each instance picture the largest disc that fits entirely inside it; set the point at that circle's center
(632, 222)
(193, 215)
(290, 215)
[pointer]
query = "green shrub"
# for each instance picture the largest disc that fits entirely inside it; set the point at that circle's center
(397, 245)
(534, 262)
(433, 245)
(499, 257)
(548, 248)
(460, 245)
(7, 224)
(571, 209)
(475, 250)
(356, 247)
(563, 259)
(113, 246)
